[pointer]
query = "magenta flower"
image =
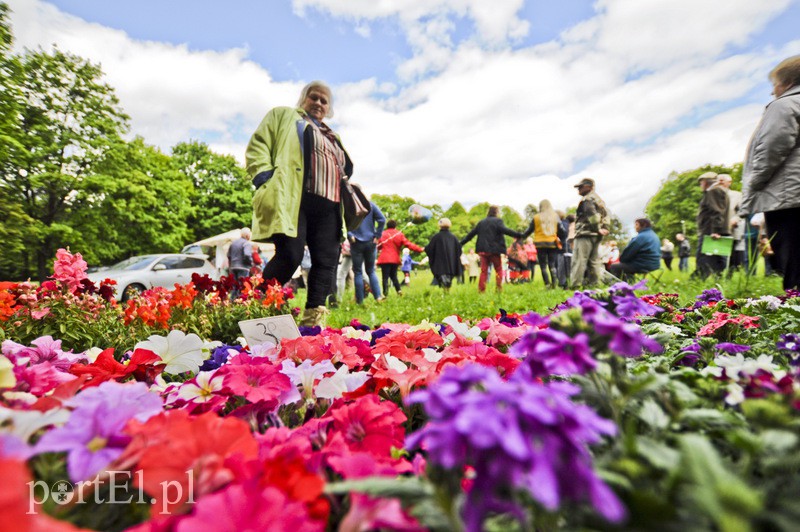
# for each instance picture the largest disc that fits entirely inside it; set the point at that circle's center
(256, 379)
(93, 437)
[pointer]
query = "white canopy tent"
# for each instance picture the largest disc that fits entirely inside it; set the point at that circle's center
(221, 243)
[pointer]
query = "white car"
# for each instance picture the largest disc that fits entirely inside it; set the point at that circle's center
(137, 274)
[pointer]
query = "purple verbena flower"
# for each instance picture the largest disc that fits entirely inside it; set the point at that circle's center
(629, 306)
(790, 343)
(515, 434)
(93, 437)
(551, 352)
(624, 338)
(731, 348)
(710, 295)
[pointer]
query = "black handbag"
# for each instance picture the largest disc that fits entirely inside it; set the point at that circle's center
(355, 204)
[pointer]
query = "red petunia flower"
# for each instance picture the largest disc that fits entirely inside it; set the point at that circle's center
(189, 452)
(369, 425)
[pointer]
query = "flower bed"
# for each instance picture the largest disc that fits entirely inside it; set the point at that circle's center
(613, 411)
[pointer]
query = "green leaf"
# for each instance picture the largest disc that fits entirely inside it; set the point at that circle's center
(714, 489)
(778, 441)
(408, 489)
(708, 418)
(658, 454)
(653, 415)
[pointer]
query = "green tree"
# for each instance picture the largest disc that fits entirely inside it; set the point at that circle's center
(673, 209)
(66, 120)
(14, 223)
(137, 202)
(222, 190)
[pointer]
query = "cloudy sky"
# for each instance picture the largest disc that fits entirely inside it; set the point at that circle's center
(507, 101)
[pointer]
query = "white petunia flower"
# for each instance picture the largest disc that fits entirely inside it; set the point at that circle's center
(201, 389)
(267, 349)
(395, 363)
(358, 334)
(431, 355)
(180, 352)
(735, 394)
(91, 354)
(25, 423)
(7, 377)
(462, 329)
(342, 381)
(306, 373)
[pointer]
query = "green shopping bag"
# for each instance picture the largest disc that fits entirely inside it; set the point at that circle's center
(722, 246)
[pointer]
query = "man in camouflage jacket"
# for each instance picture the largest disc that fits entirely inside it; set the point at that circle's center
(591, 225)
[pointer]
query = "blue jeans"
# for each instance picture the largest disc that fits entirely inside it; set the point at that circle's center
(363, 254)
(683, 264)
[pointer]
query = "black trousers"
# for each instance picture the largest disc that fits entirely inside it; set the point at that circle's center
(548, 260)
(783, 228)
(319, 227)
(389, 273)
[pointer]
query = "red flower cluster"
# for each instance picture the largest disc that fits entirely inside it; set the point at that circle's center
(721, 319)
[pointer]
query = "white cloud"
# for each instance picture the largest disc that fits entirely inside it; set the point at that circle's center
(172, 93)
(620, 96)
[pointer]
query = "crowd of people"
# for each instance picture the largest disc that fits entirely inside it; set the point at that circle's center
(298, 164)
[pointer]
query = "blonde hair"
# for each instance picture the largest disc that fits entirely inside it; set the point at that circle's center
(787, 72)
(548, 218)
(319, 85)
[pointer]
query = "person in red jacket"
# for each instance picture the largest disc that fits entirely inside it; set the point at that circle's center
(390, 245)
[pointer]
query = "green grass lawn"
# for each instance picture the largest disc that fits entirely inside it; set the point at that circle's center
(422, 301)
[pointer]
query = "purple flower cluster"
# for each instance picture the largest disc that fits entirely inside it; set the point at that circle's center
(516, 434)
(790, 343)
(219, 356)
(710, 295)
(627, 304)
(551, 352)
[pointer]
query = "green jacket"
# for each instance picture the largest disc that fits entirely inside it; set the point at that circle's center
(277, 147)
(591, 216)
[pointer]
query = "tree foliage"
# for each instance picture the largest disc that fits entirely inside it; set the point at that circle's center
(137, 202)
(673, 209)
(222, 190)
(65, 120)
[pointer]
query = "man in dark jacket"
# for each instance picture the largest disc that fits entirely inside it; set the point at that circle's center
(713, 221)
(642, 254)
(491, 245)
(444, 252)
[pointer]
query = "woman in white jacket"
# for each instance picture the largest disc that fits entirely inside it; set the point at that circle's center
(771, 175)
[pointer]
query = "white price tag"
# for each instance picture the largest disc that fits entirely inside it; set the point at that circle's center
(271, 330)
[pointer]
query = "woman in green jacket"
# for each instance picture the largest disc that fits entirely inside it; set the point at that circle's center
(297, 163)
